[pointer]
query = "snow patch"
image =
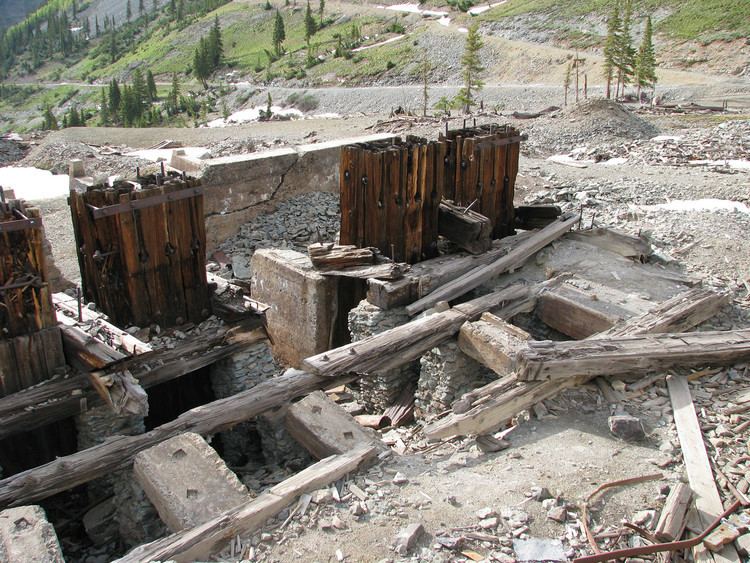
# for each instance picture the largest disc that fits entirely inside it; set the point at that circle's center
(462, 30)
(157, 155)
(731, 163)
(415, 9)
(476, 10)
(253, 114)
(666, 138)
(34, 183)
(445, 20)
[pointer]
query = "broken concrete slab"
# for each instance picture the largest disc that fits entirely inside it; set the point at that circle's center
(26, 535)
(187, 481)
(539, 549)
(407, 538)
(302, 315)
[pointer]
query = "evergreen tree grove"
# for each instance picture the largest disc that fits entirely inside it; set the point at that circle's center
(645, 61)
(279, 34)
(151, 86)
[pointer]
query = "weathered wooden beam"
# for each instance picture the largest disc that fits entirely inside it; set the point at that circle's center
(493, 342)
(117, 452)
(580, 308)
(629, 246)
(121, 338)
(196, 544)
(86, 353)
(430, 274)
(367, 355)
(633, 355)
(672, 518)
(486, 408)
(700, 476)
(465, 228)
(514, 259)
(57, 399)
(331, 256)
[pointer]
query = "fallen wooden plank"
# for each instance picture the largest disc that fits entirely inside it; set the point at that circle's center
(465, 228)
(430, 274)
(384, 271)
(86, 353)
(330, 256)
(492, 342)
(514, 259)
(323, 428)
(707, 500)
(486, 408)
(611, 240)
(632, 355)
(199, 543)
(117, 452)
(367, 355)
(579, 308)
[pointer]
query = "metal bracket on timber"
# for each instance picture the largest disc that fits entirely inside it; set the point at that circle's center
(21, 223)
(153, 201)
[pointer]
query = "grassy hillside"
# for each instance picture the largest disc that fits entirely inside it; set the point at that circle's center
(702, 20)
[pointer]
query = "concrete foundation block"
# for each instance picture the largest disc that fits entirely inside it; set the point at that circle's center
(187, 481)
(302, 317)
(26, 535)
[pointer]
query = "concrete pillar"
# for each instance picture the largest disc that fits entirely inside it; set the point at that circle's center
(187, 481)
(26, 535)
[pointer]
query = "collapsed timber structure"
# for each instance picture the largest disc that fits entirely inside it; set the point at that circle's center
(429, 259)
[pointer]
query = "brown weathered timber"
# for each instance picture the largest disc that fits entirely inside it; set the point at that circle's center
(707, 500)
(369, 355)
(29, 359)
(200, 542)
(323, 428)
(579, 308)
(486, 408)
(493, 342)
(611, 240)
(331, 256)
(634, 355)
(672, 518)
(117, 452)
(85, 352)
(430, 274)
(116, 336)
(467, 229)
(57, 399)
(514, 259)
(530, 217)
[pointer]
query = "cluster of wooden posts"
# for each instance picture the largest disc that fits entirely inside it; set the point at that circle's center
(142, 251)
(391, 191)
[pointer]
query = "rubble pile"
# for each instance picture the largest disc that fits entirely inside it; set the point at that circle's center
(107, 161)
(11, 151)
(296, 223)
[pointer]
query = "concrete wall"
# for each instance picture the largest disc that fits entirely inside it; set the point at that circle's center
(240, 187)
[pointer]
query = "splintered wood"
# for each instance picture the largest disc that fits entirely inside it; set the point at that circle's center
(141, 250)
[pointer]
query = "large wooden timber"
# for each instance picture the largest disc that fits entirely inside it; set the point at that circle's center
(402, 342)
(493, 342)
(427, 276)
(198, 543)
(141, 249)
(633, 355)
(514, 259)
(57, 399)
(480, 165)
(487, 407)
(466, 228)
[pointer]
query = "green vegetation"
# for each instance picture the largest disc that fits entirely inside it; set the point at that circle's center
(704, 20)
(472, 68)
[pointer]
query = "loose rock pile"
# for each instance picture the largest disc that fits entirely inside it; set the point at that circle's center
(10, 152)
(56, 156)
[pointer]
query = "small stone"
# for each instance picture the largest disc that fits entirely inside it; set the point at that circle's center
(486, 512)
(357, 509)
(627, 427)
(322, 496)
(325, 524)
(490, 444)
(558, 514)
(488, 523)
(400, 479)
(337, 523)
(408, 537)
(540, 493)
(549, 503)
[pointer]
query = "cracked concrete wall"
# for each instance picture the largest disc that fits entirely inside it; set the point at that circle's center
(239, 188)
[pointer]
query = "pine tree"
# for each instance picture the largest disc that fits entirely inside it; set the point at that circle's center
(625, 60)
(96, 25)
(115, 97)
(172, 8)
(279, 34)
(215, 45)
(74, 118)
(141, 8)
(180, 10)
(139, 92)
(151, 86)
(201, 63)
(128, 11)
(310, 25)
(104, 109)
(154, 7)
(471, 69)
(321, 9)
(112, 46)
(50, 121)
(174, 94)
(645, 61)
(610, 46)
(425, 68)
